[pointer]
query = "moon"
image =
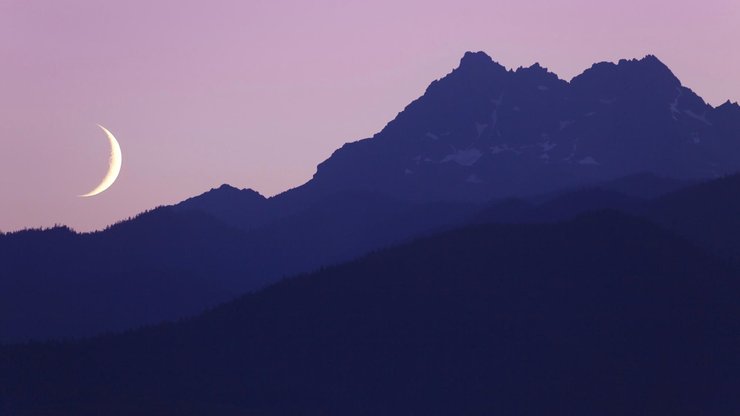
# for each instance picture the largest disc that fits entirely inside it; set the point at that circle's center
(114, 165)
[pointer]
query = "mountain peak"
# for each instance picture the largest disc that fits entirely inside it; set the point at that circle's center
(224, 193)
(728, 112)
(226, 203)
(226, 188)
(650, 64)
(536, 70)
(650, 58)
(475, 58)
(534, 67)
(635, 75)
(478, 61)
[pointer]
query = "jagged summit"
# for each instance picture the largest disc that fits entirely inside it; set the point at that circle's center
(479, 58)
(648, 63)
(476, 67)
(535, 67)
(484, 131)
(730, 104)
(638, 74)
(647, 60)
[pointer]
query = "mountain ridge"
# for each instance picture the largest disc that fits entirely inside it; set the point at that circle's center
(483, 131)
(410, 158)
(530, 313)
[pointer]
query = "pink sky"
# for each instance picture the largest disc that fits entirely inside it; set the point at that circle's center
(257, 93)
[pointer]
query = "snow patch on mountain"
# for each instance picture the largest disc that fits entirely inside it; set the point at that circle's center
(588, 160)
(674, 104)
(466, 157)
(500, 148)
(700, 117)
(431, 135)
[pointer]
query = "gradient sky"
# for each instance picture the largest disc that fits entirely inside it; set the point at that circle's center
(257, 93)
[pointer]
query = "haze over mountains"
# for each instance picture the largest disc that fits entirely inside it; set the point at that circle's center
(457, 155)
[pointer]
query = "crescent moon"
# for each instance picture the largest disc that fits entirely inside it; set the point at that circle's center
(114, 165)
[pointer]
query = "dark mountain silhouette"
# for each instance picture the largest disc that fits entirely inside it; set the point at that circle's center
(612, 137)
(559, 208)
(631, 194)
(644, 185)
(174, 262)
(705, 213)
(483, 131)
(170, 263)
(157, 266)
(708, 213)
(606, 314)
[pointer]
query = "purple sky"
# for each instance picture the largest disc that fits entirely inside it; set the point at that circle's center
(257, 93)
